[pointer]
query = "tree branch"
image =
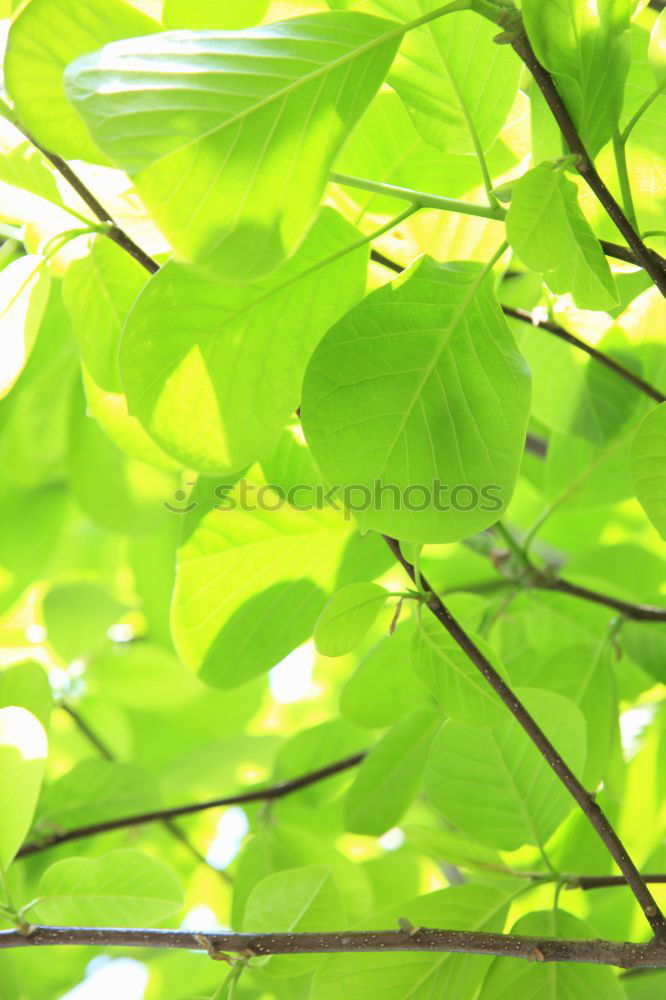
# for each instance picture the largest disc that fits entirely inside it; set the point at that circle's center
(646, 258)
(635, 612)
(607, 881)
(262, 794)
(584, 799)
(622, 954)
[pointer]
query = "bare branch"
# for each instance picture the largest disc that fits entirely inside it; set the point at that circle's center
(261, 794)
(625, 955)
(584, 799)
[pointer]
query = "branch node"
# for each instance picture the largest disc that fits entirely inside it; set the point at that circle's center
(213, 952)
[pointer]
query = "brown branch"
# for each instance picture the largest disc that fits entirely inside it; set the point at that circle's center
(603, 359)
(263, 794)
(635, 612)
(558, 331)
(115, 233)
(584, 799)
(622, 954)
(646, 258)
(608, 881)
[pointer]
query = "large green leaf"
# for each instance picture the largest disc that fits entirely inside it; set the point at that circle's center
(517, 798)
(227, 14)
(124, 888)
(298, 899)
(23, 751)
(548, 231)
(348, 616)
(280, 559)
(244, 126)
(77, 617)
(588, 50)
(24, 292)
(509, 977)
(446, 670)
(445, 71)
(231, 357)
(417, 401)
(26, 685)
(99, 290)
(646, 644)
(42, 41)
(390, 775)
(648, 467)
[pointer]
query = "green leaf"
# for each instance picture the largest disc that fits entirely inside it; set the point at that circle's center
(657, 50)
(24, 292)
(142, 676)
(314, 748)
(383, 687)
(95, 791)
(508, 977)
(588, 50)
(548, 231)
(77, 617)
(444, 73)
(646, 644)
(390, 775)
(24, 167)
(648, 466)
(231, 367)
(27, 686)
(227, 14)
(348, 616)
(124, 888)
(99, 290)
(23, 752)
(119, 492)
(42, 41)
(280, 560)
(437, 421)
(517, 797)
(189, 101)
(299, 899)
(446, 670)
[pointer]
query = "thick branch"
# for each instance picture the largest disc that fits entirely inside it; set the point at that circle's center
(263, 794)
(584, 799)
(646, 258)
(608, 881)
(625, 955)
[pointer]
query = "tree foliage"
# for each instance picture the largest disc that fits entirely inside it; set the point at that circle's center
(333, 507)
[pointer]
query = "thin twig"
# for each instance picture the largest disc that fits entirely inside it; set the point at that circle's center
(262, 794)
(584, 799)
(635, 612)
(622, 954)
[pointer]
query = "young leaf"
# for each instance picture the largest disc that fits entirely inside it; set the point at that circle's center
(417, 401)
(388, 778)
(24, 292)
(445, 669)
(657, 50)
(648, 467)
(533, 981)
(45, 37)
(231, 357)
(23, 752)
(548, 231)
(299, 899)
(347, 617)
(124, 888)
(582, 44)
(517, 799)
(99, 290)
(244, 126)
